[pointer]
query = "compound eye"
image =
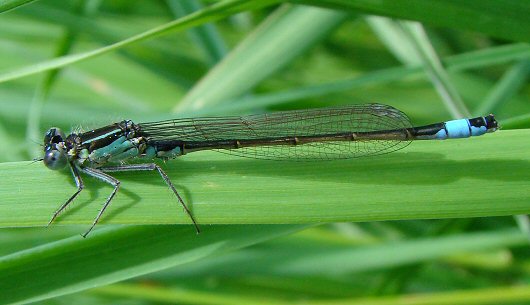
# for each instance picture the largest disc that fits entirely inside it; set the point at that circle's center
(53, 135)
(54, 159)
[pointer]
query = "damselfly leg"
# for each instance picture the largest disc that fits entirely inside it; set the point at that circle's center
(80, 186)
(96, 173)
(152, 167)
(101, 175)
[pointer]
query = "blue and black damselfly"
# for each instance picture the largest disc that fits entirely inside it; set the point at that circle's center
(316, 134)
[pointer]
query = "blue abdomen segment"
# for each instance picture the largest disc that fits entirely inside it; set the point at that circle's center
(460, 129)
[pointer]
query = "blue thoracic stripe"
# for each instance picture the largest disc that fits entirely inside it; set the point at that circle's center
(102, 136)
(460, 129)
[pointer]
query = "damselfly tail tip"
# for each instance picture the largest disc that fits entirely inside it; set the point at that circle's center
(491, 123)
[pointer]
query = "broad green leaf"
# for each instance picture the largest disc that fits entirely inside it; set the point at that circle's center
(506, 19)
(428, 179)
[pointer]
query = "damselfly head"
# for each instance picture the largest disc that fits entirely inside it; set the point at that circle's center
(54, 151)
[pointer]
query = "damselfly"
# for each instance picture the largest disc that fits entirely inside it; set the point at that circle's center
(316, 134)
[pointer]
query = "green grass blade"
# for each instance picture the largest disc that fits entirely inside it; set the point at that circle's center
(45, 85)
(506, 88)
(460, 62)
(523, 222)
(361, 259)
(182, 296)
(6, 5)
(518, 122)
(245, 103)
(503, 19)
(280, 38)
(109, 256)
(392, 35)
(154, 55)
(294, 258)
(212, 13)
(434, 68)
(488, 57)
(455, 178)
(206, 37)
(16, 148)
(519, 294)
(410, 44)
(64, 113)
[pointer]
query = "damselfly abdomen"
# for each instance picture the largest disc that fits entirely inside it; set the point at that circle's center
(316, 134)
